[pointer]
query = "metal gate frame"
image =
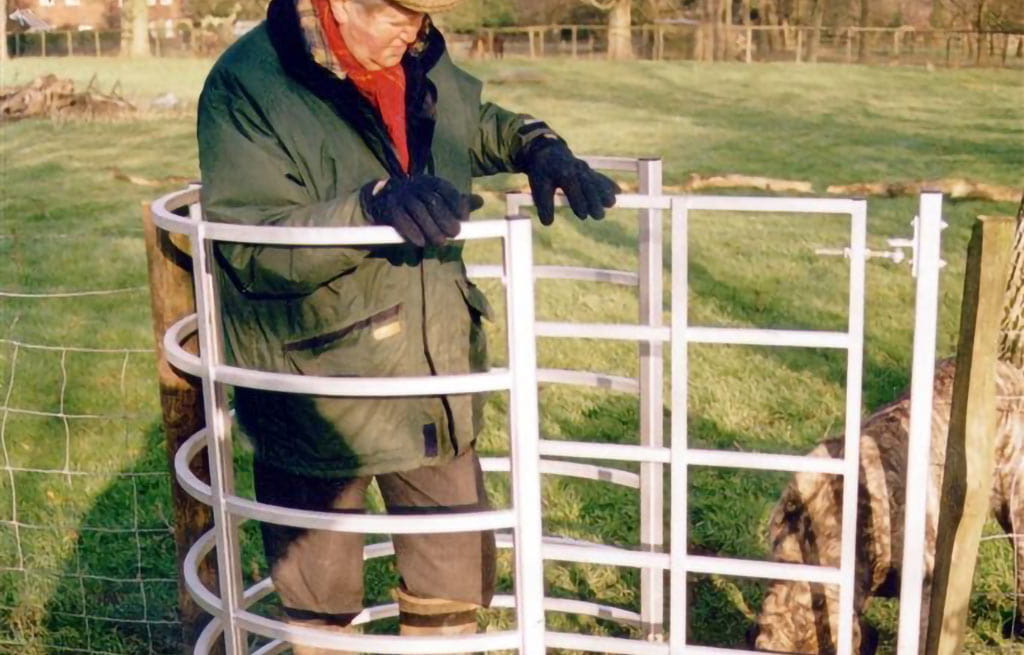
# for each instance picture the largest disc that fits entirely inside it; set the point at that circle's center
(520, 379)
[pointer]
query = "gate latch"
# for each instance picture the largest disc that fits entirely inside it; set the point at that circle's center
(897, 249)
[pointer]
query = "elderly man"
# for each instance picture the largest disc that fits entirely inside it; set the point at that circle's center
(350, 113)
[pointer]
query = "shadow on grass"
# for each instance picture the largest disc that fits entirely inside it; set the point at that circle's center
(118, 590)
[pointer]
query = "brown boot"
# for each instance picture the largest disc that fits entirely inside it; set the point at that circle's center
(432, 617)
(299, 649)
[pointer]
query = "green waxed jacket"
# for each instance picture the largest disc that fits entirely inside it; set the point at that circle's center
(284, 142)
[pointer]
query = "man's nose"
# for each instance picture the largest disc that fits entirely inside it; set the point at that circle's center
(408, 35)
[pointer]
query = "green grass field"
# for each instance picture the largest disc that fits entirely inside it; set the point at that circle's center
(86, 561)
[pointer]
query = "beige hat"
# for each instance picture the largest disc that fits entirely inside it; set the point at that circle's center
(427, 6)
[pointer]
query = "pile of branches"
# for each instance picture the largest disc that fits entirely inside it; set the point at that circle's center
(50, 96)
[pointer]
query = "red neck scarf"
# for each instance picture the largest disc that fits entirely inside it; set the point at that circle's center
(384, 89)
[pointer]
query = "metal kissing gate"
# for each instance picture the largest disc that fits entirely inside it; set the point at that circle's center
(530, 456)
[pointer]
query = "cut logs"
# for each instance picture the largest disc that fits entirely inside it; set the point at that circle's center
(54, 97)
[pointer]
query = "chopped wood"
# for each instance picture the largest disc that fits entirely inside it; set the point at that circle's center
(954, 188)
(695, 182)
(51, 96)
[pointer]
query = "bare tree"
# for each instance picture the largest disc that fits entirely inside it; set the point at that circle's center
(620, 19)
(135, 29)
(3, 31)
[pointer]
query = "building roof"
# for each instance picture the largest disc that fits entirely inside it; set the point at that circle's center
(27, 19)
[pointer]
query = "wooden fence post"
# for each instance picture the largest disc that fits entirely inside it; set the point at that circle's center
(967, 477)
(574, 44)
(43, 35)
(181, 401)
(96, 40)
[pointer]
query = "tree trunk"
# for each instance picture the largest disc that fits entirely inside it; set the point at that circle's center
(140, 29)
(728, 42)
(817, 17)
(620, 41)
(3, 31)
(768, 36)
(1011, 337)
(865, 18)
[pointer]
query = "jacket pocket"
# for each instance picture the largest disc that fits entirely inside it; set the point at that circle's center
(370, 346)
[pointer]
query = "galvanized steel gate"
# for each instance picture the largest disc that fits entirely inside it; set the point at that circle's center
(530, 454)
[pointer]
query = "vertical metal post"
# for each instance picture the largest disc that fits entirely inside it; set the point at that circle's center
(679, 441)
(851, 446)
(219, 450)
(524, 437)
(929, 223)
(652, 491)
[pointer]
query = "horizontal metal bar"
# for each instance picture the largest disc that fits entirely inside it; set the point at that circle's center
(365, 387)
(593, 450)
(588, 379)
(190, 569)
(765, 461)
(603, 163)
(390, 644)
(183, 472)
(762, 204)
(602, 554)
(748, 568)
(621, 332)
(581, 274)
(178, 357)
(516, 201)
(604, 645)
(569, 606)
(371, 523)
(569, 469)
(761, 337)
(712, 650)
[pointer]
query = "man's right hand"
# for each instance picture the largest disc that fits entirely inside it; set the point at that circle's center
(423, 209)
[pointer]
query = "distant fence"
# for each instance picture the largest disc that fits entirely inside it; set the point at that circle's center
(756, 43)
(702, 42)
(98, 43)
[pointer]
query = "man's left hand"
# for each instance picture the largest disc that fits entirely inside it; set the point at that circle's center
(553, 166)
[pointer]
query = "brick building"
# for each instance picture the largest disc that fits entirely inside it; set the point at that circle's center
(164, 15)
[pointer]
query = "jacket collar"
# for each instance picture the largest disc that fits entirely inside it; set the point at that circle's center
(288, 27)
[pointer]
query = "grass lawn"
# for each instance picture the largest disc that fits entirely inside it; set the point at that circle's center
(86, 563)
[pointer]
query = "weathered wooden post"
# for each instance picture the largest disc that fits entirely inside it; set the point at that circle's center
(96, 41)
(71, 47)
(181, 402)
(749, 54)
(967, 476)
(533, 52)
(43, 35)
(849, 45)
(574, 42)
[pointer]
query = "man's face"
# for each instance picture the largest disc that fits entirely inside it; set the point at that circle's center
(377, 36)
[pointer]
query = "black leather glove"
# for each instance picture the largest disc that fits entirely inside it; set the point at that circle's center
(550, 165)
(423, 209)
